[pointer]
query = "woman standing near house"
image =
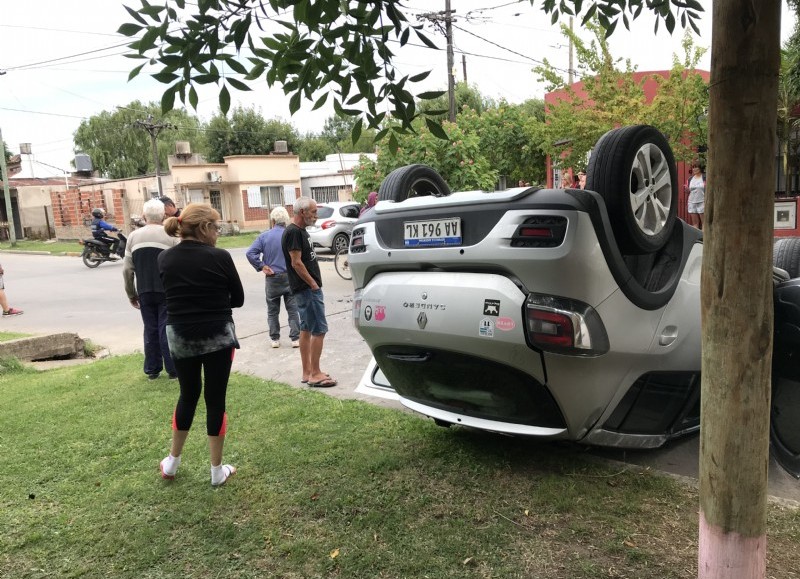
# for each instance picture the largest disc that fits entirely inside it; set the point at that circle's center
(201, 285)
(696, 189)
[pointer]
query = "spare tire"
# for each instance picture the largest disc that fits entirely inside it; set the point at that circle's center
(786, 255)
(633, 169)
(412, 181)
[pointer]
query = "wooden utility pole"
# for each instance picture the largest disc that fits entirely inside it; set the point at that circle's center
(451, 81)
(153, 129)
(436, 18)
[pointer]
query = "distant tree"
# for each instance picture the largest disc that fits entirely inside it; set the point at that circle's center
(314, 148)
(6, 151)
(467, 97)
(575, 123)
(507, 136)
(338, 131)
(119, 148)
(246, 132)
(459, 159)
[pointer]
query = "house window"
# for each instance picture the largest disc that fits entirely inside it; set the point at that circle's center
(271, 196)
(216, 202)
(329, 194)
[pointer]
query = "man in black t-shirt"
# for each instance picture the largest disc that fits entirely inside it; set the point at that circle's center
(305, 282)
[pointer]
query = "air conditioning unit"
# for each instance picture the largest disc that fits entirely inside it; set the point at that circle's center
(281, 147)
(183, 148)
(213, 177)
(24, 148)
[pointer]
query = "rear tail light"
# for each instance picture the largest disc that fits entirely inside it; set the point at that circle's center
(564, 326)
(540, 231)
(328, 224)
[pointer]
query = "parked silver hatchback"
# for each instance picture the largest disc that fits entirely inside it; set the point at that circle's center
(334, 223)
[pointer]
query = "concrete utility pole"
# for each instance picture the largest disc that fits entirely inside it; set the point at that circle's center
(12, 235)
(447, 17)
(153, 129)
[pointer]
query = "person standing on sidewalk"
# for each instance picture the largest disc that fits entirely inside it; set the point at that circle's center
(202, 285)
(7, 311)
(266, 255)
(147, 296)
(306, 283)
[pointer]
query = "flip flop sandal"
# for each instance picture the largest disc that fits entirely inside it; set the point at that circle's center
(326, 383)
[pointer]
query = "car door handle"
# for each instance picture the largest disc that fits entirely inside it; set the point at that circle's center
(415, 358)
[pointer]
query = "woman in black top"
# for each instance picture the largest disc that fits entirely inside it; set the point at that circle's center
(202, 285)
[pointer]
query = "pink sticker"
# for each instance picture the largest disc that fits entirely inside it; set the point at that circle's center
(380, 313)
(505, 324)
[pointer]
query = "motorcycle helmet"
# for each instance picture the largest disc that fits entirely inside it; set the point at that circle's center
(98, 212)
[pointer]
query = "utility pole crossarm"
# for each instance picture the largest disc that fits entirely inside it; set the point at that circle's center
(446, 17)
(153, 129)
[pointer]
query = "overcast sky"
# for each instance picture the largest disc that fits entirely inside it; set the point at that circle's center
(63, 64)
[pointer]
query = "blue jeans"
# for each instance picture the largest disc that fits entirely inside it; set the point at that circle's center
(277, 286)
(153, 307)
(311, 304)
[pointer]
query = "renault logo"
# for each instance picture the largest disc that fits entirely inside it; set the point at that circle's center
(422, 320)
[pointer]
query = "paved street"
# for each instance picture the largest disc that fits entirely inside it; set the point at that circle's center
(60, 294)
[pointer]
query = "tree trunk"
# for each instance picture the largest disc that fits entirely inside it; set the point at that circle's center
(737, 289)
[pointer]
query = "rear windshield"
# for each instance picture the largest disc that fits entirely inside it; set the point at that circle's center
(324, 212)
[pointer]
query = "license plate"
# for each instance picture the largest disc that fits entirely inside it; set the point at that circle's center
(432, 232)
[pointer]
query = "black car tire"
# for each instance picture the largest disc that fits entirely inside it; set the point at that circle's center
(340, 241)
(636, 164)
(412, 181)
(786, 255)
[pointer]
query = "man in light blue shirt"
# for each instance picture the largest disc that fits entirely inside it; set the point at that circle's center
(266, 256)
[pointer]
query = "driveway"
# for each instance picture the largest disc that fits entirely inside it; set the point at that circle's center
(60, 294)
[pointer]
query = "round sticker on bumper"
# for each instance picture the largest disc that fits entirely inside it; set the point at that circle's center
(505, 324)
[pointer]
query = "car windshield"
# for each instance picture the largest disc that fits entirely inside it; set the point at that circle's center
(324, 212)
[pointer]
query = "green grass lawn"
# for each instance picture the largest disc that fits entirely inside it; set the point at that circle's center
(325, 488)
(6, 336)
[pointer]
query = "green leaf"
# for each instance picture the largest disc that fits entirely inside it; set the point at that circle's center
(420, 77)
(135, 15)
(165, 77)
(235, 65)
(205, 78)
(129, 29)
(425, 40)
(224, 100)
(404, 36)
(237, 84)
(294, 102)
(136, 71)
(393, 146)
(436, 129)
(425, 96)
(320, 101)
(168, 99)
(193, 97)
(355, 134)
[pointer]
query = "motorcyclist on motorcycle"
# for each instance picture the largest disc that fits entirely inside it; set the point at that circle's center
(99, 228)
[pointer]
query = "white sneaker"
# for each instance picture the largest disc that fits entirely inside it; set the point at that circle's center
(275, 344)
(296, 344)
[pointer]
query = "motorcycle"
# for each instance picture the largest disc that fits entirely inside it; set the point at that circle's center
(96, 252)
